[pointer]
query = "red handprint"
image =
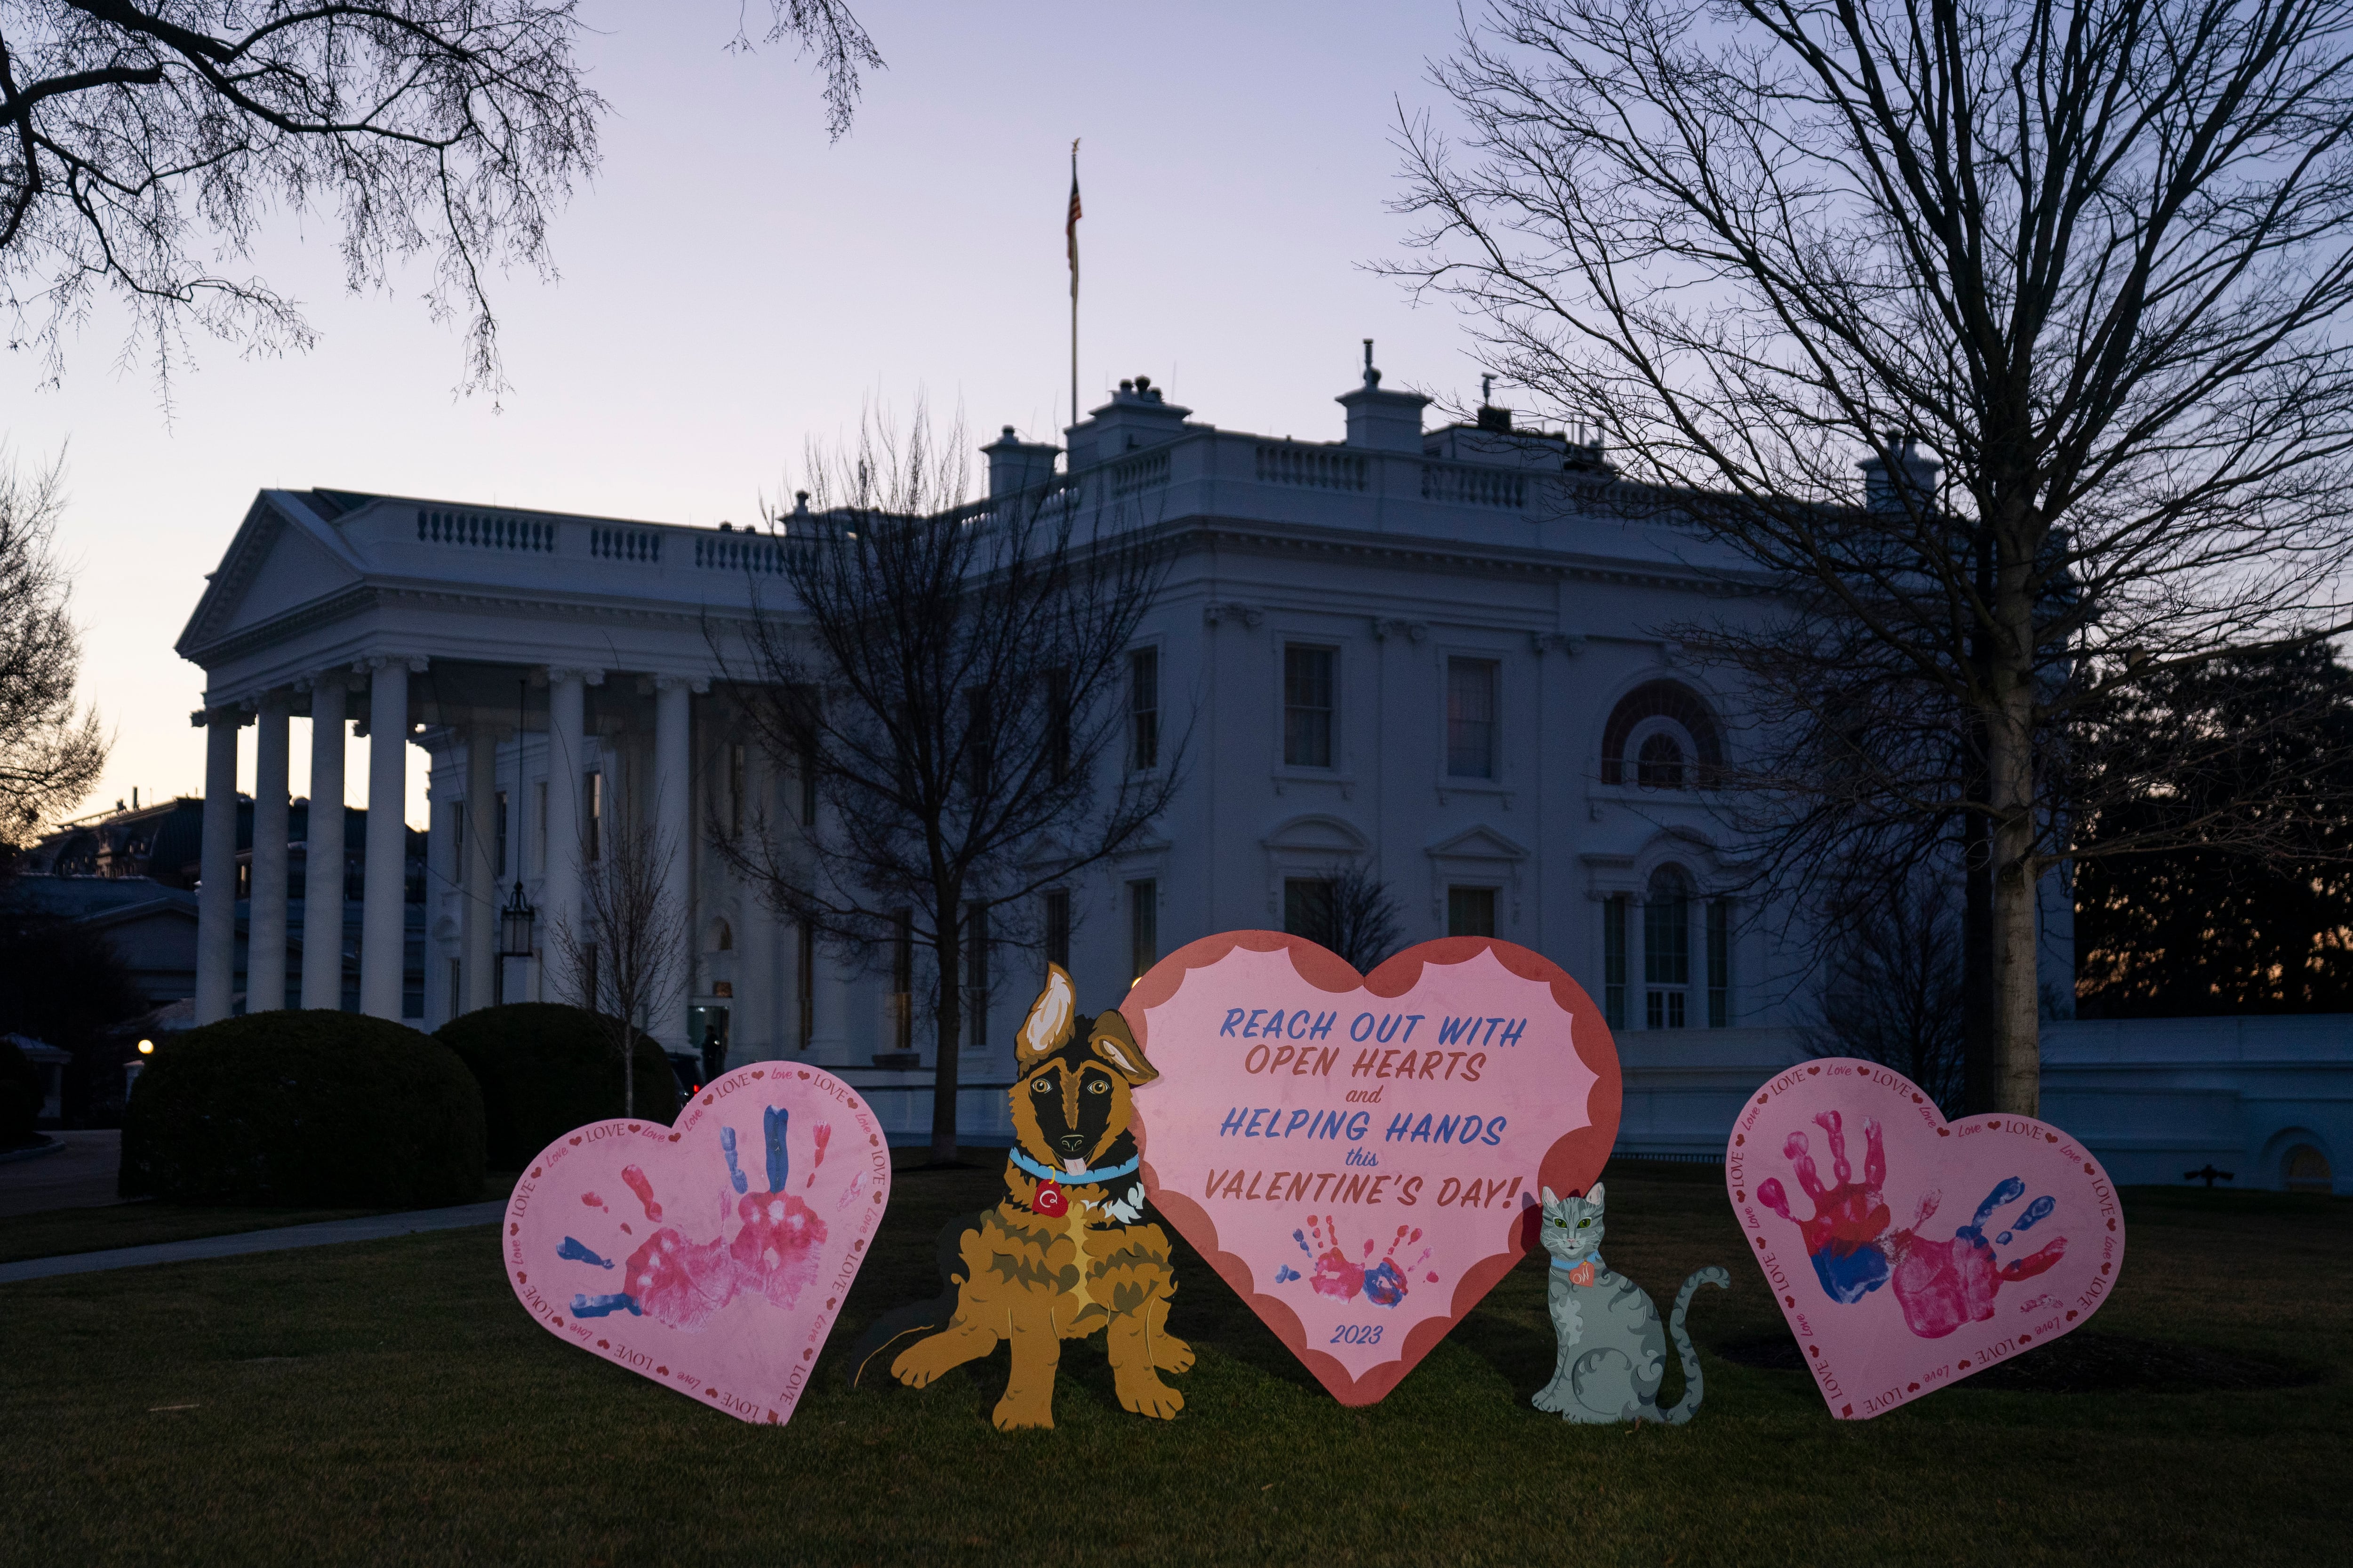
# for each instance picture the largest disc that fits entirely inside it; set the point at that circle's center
(1941, 1285)
(1842, 1239)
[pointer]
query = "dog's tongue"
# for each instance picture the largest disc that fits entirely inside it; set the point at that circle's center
(1075, 1167)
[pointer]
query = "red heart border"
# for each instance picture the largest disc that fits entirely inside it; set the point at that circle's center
(1572, 1163)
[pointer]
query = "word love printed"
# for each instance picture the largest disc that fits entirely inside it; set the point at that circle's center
(1929, 1250)
(1358, 1156)
(713, 1256)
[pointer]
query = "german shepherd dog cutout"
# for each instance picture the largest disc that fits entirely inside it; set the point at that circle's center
(1064, 1253)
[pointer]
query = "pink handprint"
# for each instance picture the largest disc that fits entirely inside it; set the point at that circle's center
(1941, 1285)
(1842, 1239)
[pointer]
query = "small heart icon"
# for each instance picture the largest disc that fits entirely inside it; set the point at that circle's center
(1738, 1139)
(521, 1277)
(633, 1127)
(1847, 1410)
(534, 1170)
(743, 1220)
(709, 1097)
(1891, 1247)
(758, 1073)
(804, 1072)
(1810, 1071)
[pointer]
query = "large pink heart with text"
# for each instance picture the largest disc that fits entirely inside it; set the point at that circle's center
(1908, 1252)
(712, 1256)
(1359, 1157)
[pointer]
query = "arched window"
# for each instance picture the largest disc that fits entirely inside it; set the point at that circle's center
(1670, 735)
(722, 937)
(1659, 763)
(2305, 1169)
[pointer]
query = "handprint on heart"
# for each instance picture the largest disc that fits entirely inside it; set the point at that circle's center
(1939, 1285)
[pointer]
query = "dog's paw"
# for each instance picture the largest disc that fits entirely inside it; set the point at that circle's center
(1013, 1414)
(1547, 1399)
(1148, 1395)
(1172, 1354)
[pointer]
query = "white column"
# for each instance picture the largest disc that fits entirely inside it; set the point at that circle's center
(323, 872)
(217, 870)
(559, 904)
(674, 837)
(383, 934)
(756, 1029)
(477, 958)
(265, 942)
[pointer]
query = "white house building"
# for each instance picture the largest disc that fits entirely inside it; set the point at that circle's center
(1430, 652)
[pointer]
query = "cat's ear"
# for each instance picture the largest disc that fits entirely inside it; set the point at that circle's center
(1594, 1198)
(1550, 1202)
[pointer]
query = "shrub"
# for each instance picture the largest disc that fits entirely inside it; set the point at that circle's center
(546, 1069)
(313, 1108)
(20, 1096)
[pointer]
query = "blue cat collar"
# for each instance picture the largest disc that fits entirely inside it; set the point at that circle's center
(1592, 1257)
(1072, 1178)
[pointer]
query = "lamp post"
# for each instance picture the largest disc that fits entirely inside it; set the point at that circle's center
(515, 934)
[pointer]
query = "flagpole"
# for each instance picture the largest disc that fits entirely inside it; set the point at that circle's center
(1071, 225)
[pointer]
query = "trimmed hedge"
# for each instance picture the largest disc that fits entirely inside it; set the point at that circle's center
(546, 1069)
(315, 1108)
(20, 1096)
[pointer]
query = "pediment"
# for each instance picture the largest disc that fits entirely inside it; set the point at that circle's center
(284, 557)
(1481, 842)
(1318, 833)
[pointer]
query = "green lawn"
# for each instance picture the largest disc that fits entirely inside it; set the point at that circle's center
(389, 1402)
(55, 1232)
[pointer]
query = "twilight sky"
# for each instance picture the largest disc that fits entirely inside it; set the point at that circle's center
(734, 286)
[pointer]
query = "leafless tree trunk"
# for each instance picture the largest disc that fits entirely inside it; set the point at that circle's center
(50, 754)
(2070, 281)
(142, 146)
(628, 958)
(1890, 989)
(953, 678)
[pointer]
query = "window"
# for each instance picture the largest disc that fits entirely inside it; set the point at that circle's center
(1058, 928)
(734, 791)
(1470, 912)
(1719, 962)
(1666, 949)
(539, 818)
(1142, 928)
(458, 815)
(1659, 763)
(723, 936)
(1058, 722)
(979, 742)
(807, 976)
(1665, 707)
(1143, 709)
(499, 856)
(1307, 907)
(1470, 718)
(1307, 706)
(592, 787)
(902, 980)
(976, 975)
(1613, 960)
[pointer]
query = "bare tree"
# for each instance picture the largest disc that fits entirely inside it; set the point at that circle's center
(1352, 912)
(952, 678)
(141, 148)
(628, 957)
(2069, 280)
(49, 753)
(1890, 988)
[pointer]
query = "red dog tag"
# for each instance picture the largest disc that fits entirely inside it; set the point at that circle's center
(1050, 1200)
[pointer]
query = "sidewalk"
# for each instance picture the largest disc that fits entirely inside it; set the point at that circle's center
(372, 1227)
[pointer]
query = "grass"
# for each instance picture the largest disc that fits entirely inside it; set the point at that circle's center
(389, 1402)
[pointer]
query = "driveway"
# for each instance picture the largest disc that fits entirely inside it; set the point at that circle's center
(79, 1174)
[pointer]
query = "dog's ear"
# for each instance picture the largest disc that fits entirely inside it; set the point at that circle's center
(1115, 1043)
(1048, 1028)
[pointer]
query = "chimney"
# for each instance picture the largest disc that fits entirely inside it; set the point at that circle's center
(1015, 465)
(1384, 421)
(1912, 470)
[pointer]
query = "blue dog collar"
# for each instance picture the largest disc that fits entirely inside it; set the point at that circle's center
(1073, 1178)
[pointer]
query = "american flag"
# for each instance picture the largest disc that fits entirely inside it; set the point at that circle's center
(1071, 224)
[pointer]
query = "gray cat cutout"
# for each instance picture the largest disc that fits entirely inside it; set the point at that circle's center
(1613, 1354)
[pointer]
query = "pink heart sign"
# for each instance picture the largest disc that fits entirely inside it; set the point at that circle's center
(1908, 1252)
(712, 1256)
(1360, 1156)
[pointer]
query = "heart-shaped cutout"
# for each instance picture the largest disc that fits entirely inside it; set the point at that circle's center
(1360, 1156)
(755, 1204)
(1912, 1262)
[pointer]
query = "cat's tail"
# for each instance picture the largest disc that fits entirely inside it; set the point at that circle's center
(1688, 1406)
